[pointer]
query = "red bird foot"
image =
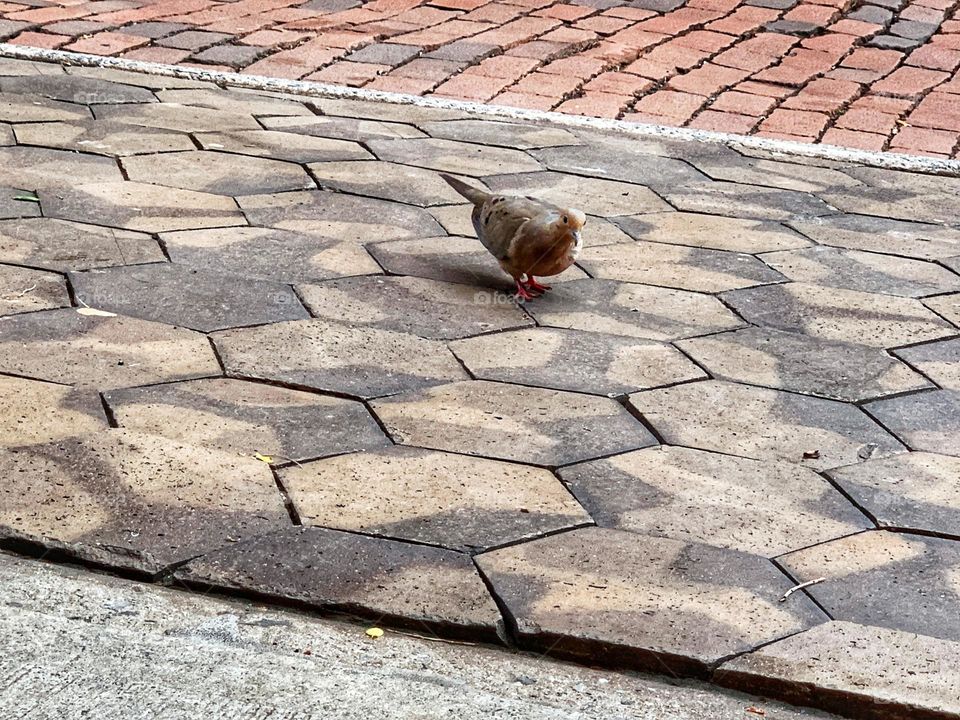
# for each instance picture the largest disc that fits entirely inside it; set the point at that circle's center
(523, 293)
(536, 287)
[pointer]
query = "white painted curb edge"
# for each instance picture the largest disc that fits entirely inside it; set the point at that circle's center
(895, 161)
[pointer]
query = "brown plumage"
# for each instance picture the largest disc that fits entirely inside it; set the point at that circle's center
(528, 237)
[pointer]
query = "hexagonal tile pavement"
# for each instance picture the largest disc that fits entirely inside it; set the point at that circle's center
(102, 138)
(427, 308)
(804, 364)
(711, 231)
(833, 314)
(605, 198)
(746, 201)
(774, 174)
(923, 421)
(619, 598)
(6, 135)
(454, 157)
(88, 348)
(761, 507)
(675, 266)
(247, 418)
(180, 295)
(18, 203)
(632, 310)
(864, 271)
(613, 161)
(357, 361)
(76, 90)
(34, 168)
(376, 110)
(895, 580)
(504, 134)
(216, 172)
(391, 582)
(577, 361)
(947, 306)
(171, 116)
(268, 254)
(766, 425)
(389, 181)
(864, 232)
(342, 128)
(25, 290)
(62, 245)
(39, 412)
(18, 108)
(456, 501)
(939, 361)
(241, 102)
(282, 146)
(139, 206)
(455, 219)
(135, 501)
(510, 422)
(897, 204)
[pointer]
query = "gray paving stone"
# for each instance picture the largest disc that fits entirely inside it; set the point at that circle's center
(235, 56)
(923, 421)
(234, 101)
(913, 30)
(78, 90)
(882, 321)
(504, 134)
(711, 231)
(915, 182)
(939, 208)
(840, 665)
(465, 51)
(800, 363)
(139, 206)
(9, 28)
(735, 200)
(36, 168)
(38, 412)
(427, 308)
(774, 174)
(102, 137)
(26, 290)
(342, 128)
(246, 418)
(18, 203)
(893, 42)
(511, 422)
(609, 161)
(893, 580)
(761, 507)
(632, 310)
(389, 181)
(92, 348)
(864, 271)
(456, 501)
(18, 108)
(387, 581)
(947, 306)
(793, 27)
(193, 39)
(171, 116)
(283, 146)
(593, 196)
(180, 295)
(873, 14)
(386, 111)
(939, 361)
(152, 29)
(218, 173)
(135, 501)
(384, 54)
(130, 77)
(767, 425)
(863, 232)
(649, 603)
(452, 156)
(268, 254)
(6, 135)
(357, 361)
(576, 361)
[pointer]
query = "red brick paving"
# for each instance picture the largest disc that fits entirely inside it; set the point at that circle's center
(870, 74)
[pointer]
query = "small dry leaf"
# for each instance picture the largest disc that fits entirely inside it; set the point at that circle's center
(756, 710)
(26, 198)
(811, 455)
(263, 458)
(374, 632)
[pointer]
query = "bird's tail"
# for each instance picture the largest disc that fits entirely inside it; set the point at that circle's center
(474, 195)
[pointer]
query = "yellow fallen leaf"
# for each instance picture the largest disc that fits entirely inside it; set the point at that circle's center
(374, 632)
(264, 458)
(95, 312)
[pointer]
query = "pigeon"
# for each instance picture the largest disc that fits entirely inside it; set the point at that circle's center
(527, 236)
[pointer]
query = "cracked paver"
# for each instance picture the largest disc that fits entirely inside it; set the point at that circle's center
(25, 290)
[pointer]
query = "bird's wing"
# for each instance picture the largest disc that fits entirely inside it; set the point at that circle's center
(501, 218)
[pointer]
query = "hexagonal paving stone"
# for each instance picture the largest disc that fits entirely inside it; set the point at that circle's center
(677, 267)
(923, 421)
(761, 507)
(380, 110)
(746, 201)
(766, 424)
(282, 146)
(947, 306)
(895, 580)
(389, 181)
(576, 361)
(712, 231)
(6, 135)
(916, 491)
(861, 232)
(774, 174)
(357, 361)
(841, 665)
(452, 259)
(137, 206)
(456, 501)
(180, 295)
(39, 412)
(939, 361)
(836, 314)
(455, 157)
(427, 308)
(77, 90)
(605, 232)
(36, 108)
(268, 254)
(510, 422)
(388, 581)
(339, 216)
(455, 219)
(642, 311)
(605, 198)
(940, 208)
(864, 271)
(247, 418)
(130, 77)
(102, 138)
(92, 348)
(62, 245)
(171, 116)
(804, 364)
(505, 134)
(233, 100)
(46, 168)
(25, 290)
(342, 128)
(135, 501)
(617, 598)
(614, 162)
(18, 203)
(219, 173)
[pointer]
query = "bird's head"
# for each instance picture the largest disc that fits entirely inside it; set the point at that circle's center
(570, 220)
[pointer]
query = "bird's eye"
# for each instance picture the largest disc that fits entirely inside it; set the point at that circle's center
(565, 220)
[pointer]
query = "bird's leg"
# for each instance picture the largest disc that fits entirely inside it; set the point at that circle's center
(522, 292)
(536, 287)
